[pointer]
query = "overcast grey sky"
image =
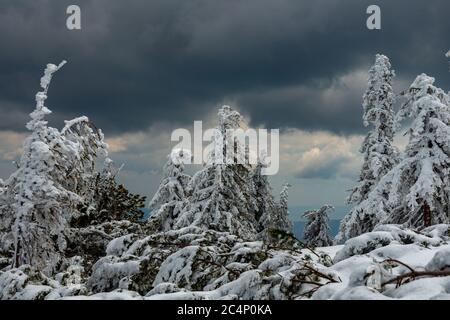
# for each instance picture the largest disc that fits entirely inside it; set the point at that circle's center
(139, 69)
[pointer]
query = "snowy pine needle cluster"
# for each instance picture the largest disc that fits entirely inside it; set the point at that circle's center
(68, 230)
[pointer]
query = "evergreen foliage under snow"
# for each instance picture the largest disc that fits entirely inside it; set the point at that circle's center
(317, 229)
(380, 155)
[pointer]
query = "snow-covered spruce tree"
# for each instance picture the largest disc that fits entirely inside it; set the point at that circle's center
(5, 219)
(277, 227)
(113, 201)
(36, 197)
(380, 155)
(419, 186)
(53, 180)
(270, 214)
(83, 144)
(106, 212)
(222, 193)
(264, 198)
(282, 219)
(317, 229)
(172, 193)
(3, 189)
(107, 200)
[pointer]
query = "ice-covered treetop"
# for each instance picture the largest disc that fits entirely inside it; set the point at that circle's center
(379, 96)
(382, 64)
(325, 210)
(423, 87)
(381, 71)
(38, 115)
(422, 84)
(174, 166)
(48, 73)
(229, 118)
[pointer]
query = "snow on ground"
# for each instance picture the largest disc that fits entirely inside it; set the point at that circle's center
(331, 251)
(212, 265)
(427, 251)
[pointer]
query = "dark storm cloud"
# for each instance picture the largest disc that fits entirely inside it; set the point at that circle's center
(135, 63)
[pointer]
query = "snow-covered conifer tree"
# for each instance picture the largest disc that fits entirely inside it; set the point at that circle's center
(419, 186)
(270, 215)
(49, 185)
(379, 154)
(317, 229)
(172, 193)
(266, 204)
(107, 200)
(36, 197)
(83, 144)
(223, 193)
(281, 220)
(5, 217)
(2, 196)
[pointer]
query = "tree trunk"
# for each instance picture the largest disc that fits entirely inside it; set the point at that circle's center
(426, 214)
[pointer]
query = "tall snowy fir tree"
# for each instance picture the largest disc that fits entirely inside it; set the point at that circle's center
(171, 196)
(223, 196)
(317, 228)
(264, 198)
(36, 197)
(380, 155)
(6, 217)
(281, 220)
(418, 188)
(270, 214)
(50, 185)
